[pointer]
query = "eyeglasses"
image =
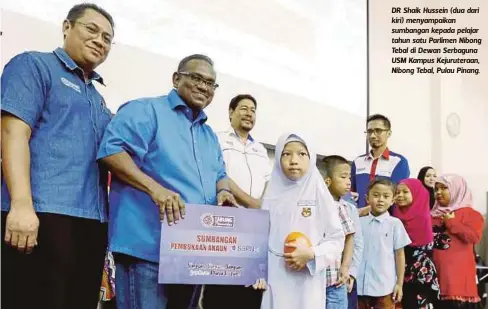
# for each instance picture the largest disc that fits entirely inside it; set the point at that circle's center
(94, 31)
(199, 80)
(376, 131)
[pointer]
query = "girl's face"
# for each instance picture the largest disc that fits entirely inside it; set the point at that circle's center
(430, 177)
(403, 196)
(295, 160)
(442, 194)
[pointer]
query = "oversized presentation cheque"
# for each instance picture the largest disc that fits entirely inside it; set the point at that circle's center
(215, 245)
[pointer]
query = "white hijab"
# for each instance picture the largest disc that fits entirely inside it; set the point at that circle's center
(286, 195)
(280, 186)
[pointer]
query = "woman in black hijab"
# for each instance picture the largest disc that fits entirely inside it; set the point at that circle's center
(427, 176)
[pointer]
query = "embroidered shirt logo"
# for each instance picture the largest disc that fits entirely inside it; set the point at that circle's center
(306, 212)
(70, 84)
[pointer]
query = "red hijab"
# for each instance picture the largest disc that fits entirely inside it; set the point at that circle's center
(416, 217)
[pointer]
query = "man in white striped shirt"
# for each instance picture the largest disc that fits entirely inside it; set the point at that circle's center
(246, 159)
(248, 166)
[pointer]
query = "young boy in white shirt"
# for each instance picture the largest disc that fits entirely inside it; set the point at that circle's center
(338, 180)
(380, 279)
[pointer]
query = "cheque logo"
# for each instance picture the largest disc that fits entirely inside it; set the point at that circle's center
(209, 220)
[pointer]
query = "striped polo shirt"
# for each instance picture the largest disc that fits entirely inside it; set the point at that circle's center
(365, 169)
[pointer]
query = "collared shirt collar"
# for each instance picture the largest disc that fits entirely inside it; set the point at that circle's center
(71, 65)
(379, 218)
(231, 131)
(385, 154)
(176, 102)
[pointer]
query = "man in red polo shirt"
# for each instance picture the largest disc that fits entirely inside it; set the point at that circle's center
(379, 162)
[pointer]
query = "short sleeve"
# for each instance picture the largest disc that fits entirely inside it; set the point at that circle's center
(132, 129)
(24, 88)
(400, 235)
(346, 222)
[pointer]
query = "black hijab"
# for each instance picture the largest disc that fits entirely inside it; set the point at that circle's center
(421, 177)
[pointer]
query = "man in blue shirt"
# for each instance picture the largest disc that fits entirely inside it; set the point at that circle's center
(54, 194)
(379, 163)
(163, 155)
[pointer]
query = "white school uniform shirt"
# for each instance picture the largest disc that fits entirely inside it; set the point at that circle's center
(247, 165)
(303, 206)
(382, 236)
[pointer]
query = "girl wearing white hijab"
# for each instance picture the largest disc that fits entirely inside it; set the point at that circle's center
(299, 201)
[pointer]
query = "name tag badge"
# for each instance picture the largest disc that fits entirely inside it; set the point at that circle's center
(307, 203)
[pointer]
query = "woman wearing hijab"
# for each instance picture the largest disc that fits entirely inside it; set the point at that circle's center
(427, 175)
(299, 201)
(421, 286)
(457, 228)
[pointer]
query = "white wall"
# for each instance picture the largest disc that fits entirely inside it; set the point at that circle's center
(418, 105)
(277, 50)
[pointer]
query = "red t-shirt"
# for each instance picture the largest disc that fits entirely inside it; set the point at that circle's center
(453, 253)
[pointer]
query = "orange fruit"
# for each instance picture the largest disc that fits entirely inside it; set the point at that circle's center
(293, 237)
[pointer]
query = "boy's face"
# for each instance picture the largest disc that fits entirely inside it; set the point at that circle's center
(380, 198)
(340, 182)
(403, 196)
(294, 160)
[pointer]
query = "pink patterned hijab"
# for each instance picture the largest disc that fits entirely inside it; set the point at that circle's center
(460, 195)
(416, 217)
